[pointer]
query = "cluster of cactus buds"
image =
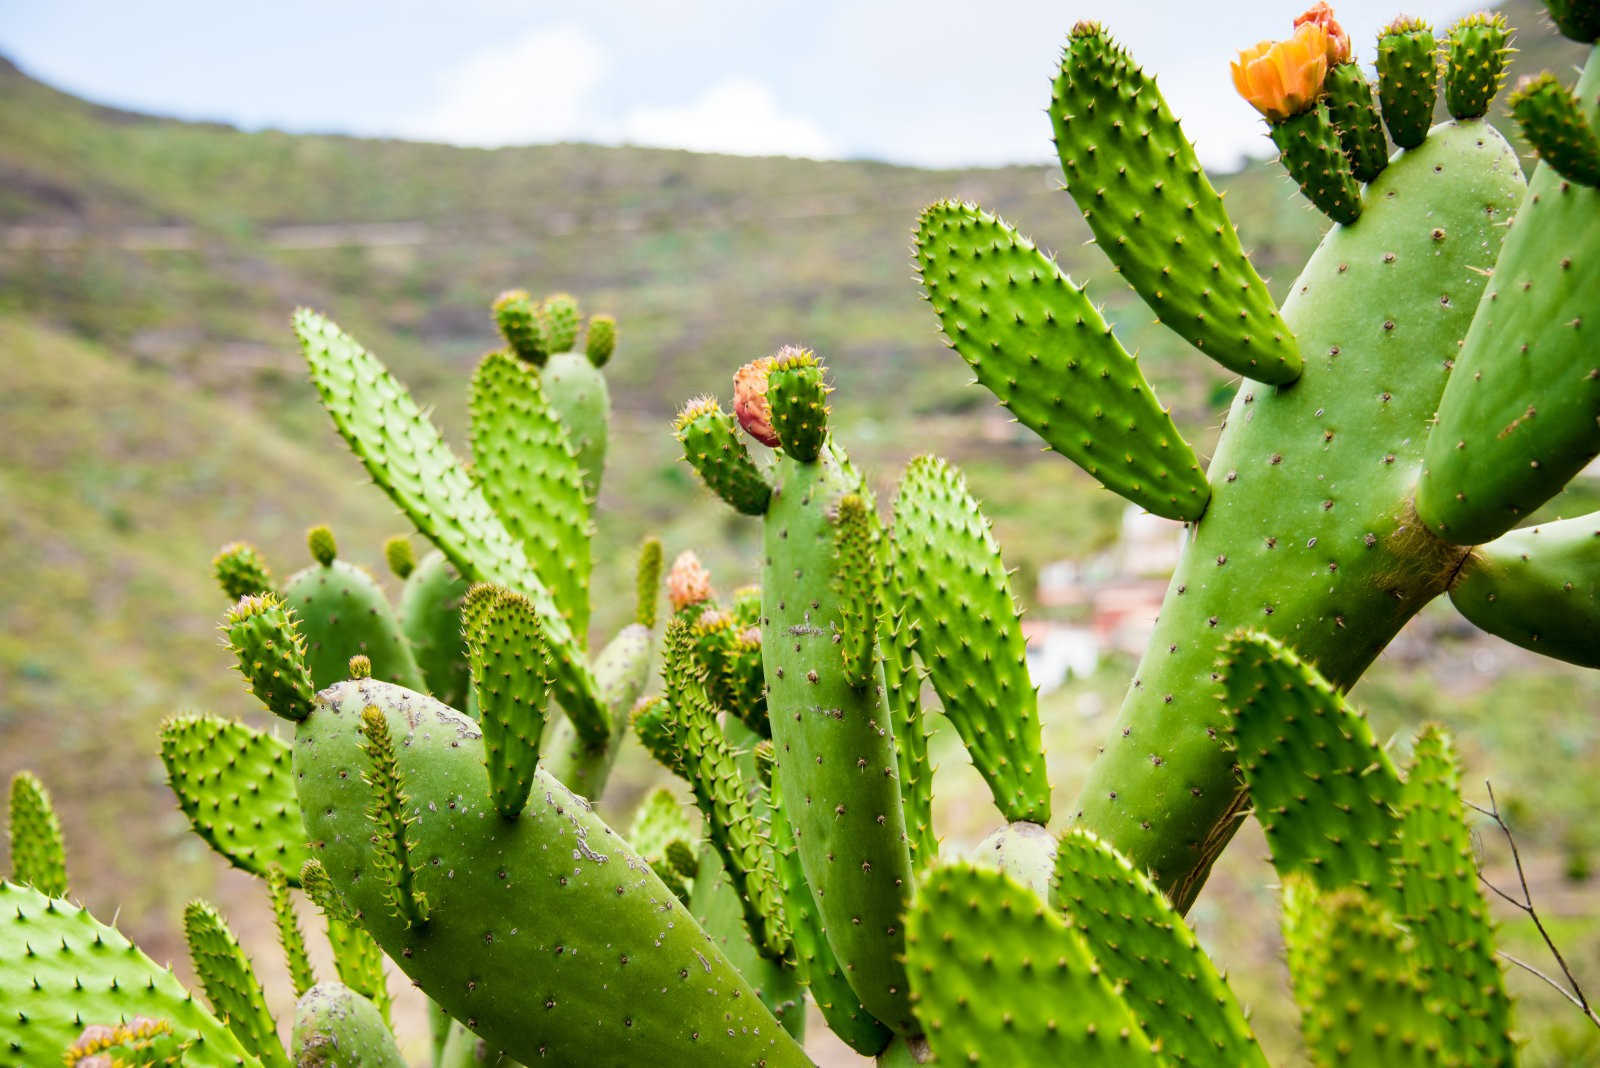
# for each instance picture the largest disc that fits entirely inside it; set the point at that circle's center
(1426, 385)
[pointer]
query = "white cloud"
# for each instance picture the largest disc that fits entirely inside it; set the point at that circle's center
(738, 116)
(530, 88)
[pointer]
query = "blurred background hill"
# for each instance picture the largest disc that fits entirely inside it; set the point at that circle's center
(153, 405)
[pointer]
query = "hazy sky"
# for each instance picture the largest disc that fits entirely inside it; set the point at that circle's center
(928, 82)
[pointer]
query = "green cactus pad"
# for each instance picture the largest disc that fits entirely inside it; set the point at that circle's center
(559, 318)
(235, 785)
(230, 983)
(1518, 419)
(38, 852)
(856, 581)
(699, 752)
(510, 676)
(544, 929)
(601, 340)
(292, 940)
(621, 671)
(334, 1027)
(1445, 910)
(341, 612)
(713, 447)
(1144, 946)
(814, 957)
(1556, 126)
(518, 320)
(798, 398)
(1307, 536)
(647, 583)
(430, 618)
(529, 474)
(1408, 79)
(718, 907)
(1360, 999)
(1538, 587)
(730, 654)
(1314, 157)
(973, 932)
(1325, 794)
(61, 969)
(406, 455)
(1576, 19)
(660, 832)
(903, 691)
(1036, 342)
(241, 570)
(1135, 177)
(1354, 111)
(1476, 52)
(265, 639)
(834, 741)
(356, 956)
(968, 634)
(577, 392)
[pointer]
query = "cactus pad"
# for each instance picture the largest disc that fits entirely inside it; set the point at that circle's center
(1408, 79)
(1476, 53)
(38, 852)
(334, 1027)
(230, 983)
(712, 445)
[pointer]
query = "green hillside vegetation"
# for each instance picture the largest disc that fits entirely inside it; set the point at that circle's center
(154, 406)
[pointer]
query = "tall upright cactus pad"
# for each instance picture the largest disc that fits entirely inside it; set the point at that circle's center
(1521, 415)
(342, 612)
(524, 462)
(430, 617)
(230, 983)
(540, 930)
(1308, 535)
(1325, 794)
(61, 969)
(334, 1027)
(973, 933)
(713, 448)
(576, 388)
(1129, 926)
(1538, 587)
(968, 634)
(621, 670)
(1361, 1001)
(834, 741)
(1408, 79)
(38, 853)
(511, 678)
(236, 786)
(1447, 913)
(1135, 177)
(408, 458)
(1037, 343)
(903, 689)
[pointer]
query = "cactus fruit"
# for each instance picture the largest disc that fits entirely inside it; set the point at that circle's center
(341, 612)
(1556, 126)
(1538, 587)
(1020, 323)
(1135, 177)
(61, 969)
(1476, 53)
(38, 854)
(235, 785)
(529, 974)
(1408, 79)
(1519, 417)
(334, 1027)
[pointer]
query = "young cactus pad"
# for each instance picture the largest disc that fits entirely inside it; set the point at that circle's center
(539, 930)
(334, 1027)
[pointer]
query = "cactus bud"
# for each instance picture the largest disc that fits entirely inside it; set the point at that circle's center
(602, 339)
(647, 580)
(688, 583)
(400, 557)
(519, 324)
(1282, 79)
(750, 401)
(360, 666)
(324, 550)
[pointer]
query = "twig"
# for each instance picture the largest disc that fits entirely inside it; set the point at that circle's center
(1575, 995)
(1557, 987)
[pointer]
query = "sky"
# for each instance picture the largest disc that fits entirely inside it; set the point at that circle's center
(929, 82)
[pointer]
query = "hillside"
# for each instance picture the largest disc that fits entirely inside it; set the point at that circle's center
(154, 407)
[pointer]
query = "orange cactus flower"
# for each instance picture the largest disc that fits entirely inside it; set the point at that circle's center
(1321, 14)
(1281, 79)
